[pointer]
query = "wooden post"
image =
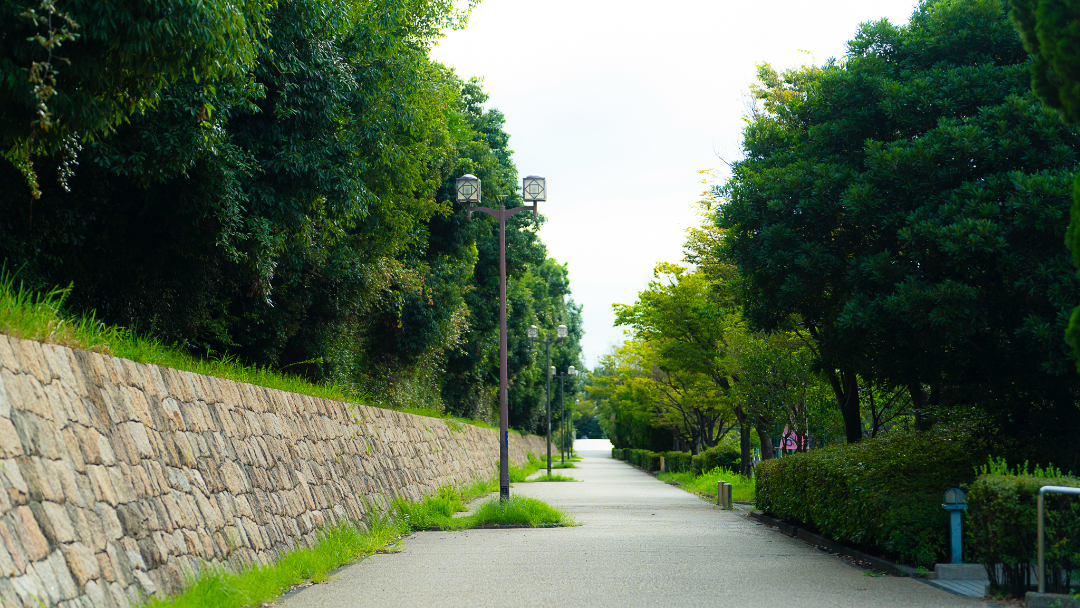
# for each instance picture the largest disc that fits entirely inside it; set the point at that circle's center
(663, 468)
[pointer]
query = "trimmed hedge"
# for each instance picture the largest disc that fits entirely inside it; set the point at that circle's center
(724, 456)
(1001, 529)
(674, 462)
(884, 494)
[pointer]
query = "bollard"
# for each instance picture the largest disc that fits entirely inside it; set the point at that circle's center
(663, 469)
(955, 501)
(723, 494)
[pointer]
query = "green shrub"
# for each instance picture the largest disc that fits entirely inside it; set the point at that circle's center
(618, 453)
(725, 456)
(650, 461)
(882, 493)
(1002, 531)
(677, 462)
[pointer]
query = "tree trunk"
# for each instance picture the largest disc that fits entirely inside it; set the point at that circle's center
(747, 466)
(919, 402)
(846, 389)
(767, 450)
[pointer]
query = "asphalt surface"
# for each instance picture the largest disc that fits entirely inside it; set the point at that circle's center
(640, 543)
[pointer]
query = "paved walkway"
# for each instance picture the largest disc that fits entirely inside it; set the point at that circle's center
(641, 543)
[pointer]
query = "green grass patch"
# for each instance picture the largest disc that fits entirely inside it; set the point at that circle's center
(39, 315)
(742, 488)
(344, 544)
(553, 477)
(518, 474)
(562, 465)
(338, 545)
(518, 510)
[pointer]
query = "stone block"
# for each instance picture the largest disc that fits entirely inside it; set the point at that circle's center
(7, 563)
(140, 440)
(101, 484)
(110, 523)
(33, 363)
(82, 562)
(97, 596)
(55, 521)
(11, 444)
(29, 533)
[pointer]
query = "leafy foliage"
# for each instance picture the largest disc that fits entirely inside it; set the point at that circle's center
(1001, 527)
(904, 209)
(882, 493)
(280, 192)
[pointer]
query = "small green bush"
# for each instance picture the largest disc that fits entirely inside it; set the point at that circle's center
(650, 461)
(677, 462)
(883, 493)
(724, 456)
(1002, 530)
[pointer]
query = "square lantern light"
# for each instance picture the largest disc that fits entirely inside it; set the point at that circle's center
(955, 499)
(468, 189)
(533, 332)
(534, 189)
(560, 331)
(551, 370)
(571, 371)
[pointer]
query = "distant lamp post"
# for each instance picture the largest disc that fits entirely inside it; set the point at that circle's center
(560, 334)
(469, 191)
(563, 426)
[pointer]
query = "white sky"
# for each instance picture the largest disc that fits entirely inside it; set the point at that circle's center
(620, 104)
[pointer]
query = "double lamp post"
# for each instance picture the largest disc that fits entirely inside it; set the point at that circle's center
(533, 190)
(560, 334)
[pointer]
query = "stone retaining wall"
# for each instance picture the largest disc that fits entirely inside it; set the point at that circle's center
(118, 478)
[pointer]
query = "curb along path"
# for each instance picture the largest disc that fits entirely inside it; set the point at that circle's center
(641, 542)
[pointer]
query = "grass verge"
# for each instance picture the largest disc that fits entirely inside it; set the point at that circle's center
(339, 545)
(553, 477)
(518, 474)
(742, 488)
(346, 542)
(518, 510)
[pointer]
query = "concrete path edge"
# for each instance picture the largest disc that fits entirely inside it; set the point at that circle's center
(879, 564)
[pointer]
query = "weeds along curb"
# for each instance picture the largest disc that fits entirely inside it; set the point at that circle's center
(874, 563)
(495, 527)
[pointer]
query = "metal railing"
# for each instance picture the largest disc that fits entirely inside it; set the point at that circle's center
(1042, 492)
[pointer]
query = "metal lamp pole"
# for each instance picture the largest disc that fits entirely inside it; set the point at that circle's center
(534, 334)
(468, 191)
(563, 427)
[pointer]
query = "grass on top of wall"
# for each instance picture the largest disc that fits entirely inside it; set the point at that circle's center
(39, 316)
(742, 488)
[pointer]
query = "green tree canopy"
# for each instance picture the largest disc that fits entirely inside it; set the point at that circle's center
(904, 208)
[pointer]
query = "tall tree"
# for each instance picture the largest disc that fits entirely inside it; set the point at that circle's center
(904, 205)
(1050, 31)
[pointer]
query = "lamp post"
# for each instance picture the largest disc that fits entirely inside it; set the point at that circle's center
(560, 334)
(534, 190)
(563, 427)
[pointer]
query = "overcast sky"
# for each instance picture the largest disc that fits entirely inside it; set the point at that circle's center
(619, 104)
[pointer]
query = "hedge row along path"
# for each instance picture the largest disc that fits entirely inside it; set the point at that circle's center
(641, 543)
